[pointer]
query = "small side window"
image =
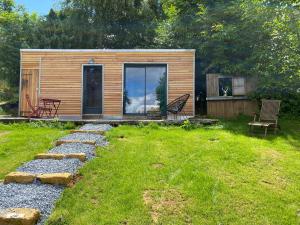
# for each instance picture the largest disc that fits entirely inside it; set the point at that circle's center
(239, 86)
(225, 86)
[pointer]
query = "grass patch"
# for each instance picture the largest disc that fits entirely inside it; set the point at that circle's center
(173, 175)
(19, 143)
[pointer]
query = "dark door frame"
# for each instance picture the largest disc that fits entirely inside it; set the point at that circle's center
(82, 88)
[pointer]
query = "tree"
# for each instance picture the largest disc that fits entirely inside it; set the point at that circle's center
(16, 31)
(111, 23)
(241, 37)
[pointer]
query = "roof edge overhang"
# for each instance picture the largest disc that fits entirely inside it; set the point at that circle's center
(107, 50)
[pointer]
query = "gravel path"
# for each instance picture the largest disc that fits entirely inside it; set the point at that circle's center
(44, 196)
(36, 196)
(97, 127)
(100, 140)
(89, 150)
(41, 166)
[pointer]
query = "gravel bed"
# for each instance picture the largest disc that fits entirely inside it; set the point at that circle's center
(100, 140)
(43, 196)
(41, 166)
(89, 150)
(97, 127)
(37, 196)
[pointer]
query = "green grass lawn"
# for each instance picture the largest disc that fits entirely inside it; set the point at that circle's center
(19, 143)
(167, 175)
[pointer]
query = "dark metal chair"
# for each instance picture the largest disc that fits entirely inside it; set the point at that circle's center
(268, 116)
(175, 107)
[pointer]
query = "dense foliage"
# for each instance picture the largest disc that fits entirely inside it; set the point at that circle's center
(240, 37)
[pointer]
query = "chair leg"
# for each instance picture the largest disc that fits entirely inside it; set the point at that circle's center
(275, 130)
(266, 131)
(185, 116)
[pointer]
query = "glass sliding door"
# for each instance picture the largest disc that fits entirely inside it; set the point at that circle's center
(145, 88)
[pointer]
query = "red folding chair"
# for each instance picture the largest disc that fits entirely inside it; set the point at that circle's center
(36, 111)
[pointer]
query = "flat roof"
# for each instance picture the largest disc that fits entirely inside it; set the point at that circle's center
(107, 50)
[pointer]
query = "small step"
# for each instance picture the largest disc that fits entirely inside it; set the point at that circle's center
(75, 141)
(88, 131)
(56, 178)
(58, 156)
(81, 156)
(49, 156)
(19, 177)
(19, 216)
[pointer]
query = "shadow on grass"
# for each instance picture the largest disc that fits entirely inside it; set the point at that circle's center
(289, 129)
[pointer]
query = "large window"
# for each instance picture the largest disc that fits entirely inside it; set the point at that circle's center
(145, 88)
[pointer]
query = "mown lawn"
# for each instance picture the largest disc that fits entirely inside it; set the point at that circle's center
(167, 175)
(19, 143)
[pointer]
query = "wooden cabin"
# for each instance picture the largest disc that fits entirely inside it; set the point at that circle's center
(227, 95)
(107, 83)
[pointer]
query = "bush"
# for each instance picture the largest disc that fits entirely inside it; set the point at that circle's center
(290, 98)
(53, 124)
(69, 126)
(187, 125)
(153, 126)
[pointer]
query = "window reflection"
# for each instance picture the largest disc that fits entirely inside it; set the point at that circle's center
(156, 88)
(134, 95)
(145, 88)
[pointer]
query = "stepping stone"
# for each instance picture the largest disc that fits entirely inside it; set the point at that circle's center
(56, 178)
(19, 216)
(88, 131)
(49, 156)
(19, 177)
(88, 150)
(80, 156)
(57, 156)
(88, 138)
(60, 142)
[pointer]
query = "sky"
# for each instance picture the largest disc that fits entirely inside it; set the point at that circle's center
(41, 7)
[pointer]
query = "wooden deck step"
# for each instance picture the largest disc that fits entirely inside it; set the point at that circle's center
(88, 131)
(19, 216)
(80, 156)
(75, 141)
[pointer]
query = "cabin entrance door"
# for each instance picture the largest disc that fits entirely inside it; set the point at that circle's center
(92, 89)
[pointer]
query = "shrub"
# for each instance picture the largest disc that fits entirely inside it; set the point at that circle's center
(69, 125)
(187, 125)
(153, 125)
(289, 96)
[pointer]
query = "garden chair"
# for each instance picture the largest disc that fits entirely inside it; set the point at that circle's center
(268, 117)
(36, 111)
(175, 107)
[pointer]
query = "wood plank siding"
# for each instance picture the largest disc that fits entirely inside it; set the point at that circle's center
(60, 75)
(231, 106)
